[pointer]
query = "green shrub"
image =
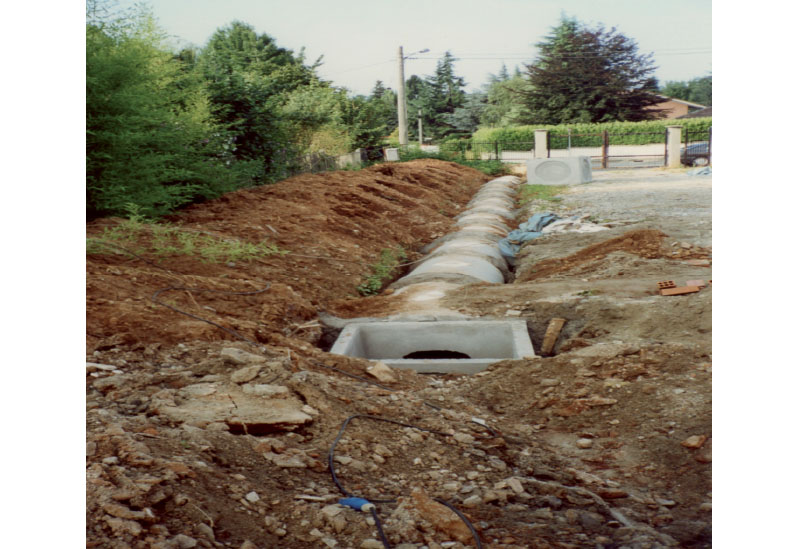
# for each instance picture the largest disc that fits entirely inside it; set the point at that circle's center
(584, 135)
(382, 271)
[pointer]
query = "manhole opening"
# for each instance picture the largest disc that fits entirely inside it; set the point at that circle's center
(442, 346)
(436, 354)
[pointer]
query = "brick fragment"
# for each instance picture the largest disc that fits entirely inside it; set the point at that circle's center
(666, 284)
(680, 291)
(698, 283)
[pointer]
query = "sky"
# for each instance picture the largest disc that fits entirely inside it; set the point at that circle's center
(359, 39)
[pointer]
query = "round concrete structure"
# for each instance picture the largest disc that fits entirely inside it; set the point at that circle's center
(470, 253)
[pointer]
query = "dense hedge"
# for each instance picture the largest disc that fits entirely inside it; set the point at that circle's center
(589, 135)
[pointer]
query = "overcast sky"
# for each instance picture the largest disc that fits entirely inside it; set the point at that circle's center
(359, 38)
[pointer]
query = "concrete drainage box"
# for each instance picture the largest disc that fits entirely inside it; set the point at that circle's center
(482, 341)
(560, 171)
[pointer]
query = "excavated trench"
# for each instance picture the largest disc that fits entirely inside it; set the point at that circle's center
(432, 339)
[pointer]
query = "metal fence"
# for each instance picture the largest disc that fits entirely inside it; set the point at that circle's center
(606, 150)
(612, 150)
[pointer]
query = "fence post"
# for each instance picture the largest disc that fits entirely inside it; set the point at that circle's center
(496, 151)
(540, 149)
(674, 146)
(605, 149)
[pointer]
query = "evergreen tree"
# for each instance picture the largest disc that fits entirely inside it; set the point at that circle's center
(467, 117)
(437, 96)
(589, 75)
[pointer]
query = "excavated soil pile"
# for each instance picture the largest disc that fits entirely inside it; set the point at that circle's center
(195, 438)
(347, 216)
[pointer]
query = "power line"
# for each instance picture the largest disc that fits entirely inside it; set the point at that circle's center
(561, 56)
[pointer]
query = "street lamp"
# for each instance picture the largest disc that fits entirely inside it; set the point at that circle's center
(402, 116)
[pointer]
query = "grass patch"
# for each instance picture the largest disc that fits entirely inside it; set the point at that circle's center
(548, 193)
(588, 293)
(145, 237)
(382, 271)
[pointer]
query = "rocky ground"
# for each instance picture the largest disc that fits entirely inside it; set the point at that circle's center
(247, 433)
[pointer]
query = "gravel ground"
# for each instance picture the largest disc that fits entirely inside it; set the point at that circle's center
(679, 203)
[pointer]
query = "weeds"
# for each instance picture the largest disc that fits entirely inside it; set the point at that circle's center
(548, 193)
(160, 239)
(588, 293)
(382, 271)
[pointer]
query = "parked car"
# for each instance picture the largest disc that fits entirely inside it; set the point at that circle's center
(696, 154)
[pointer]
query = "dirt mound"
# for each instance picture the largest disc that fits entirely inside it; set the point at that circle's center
(333, 226)
(645, 243)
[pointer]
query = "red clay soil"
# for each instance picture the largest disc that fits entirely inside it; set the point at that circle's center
(346, 216)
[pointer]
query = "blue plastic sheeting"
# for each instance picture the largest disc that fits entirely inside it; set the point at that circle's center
(532, 228)
(700, 171)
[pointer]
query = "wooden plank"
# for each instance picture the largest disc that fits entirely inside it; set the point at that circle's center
(551, 335)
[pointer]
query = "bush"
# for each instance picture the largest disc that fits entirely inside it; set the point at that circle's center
(585, 135)
(150, 137)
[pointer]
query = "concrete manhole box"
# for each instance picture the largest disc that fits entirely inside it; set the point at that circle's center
(483, 341)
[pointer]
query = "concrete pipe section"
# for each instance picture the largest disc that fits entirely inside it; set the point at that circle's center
(466, 256)
(470, 254)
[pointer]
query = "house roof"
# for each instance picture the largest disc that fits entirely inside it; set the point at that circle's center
(702, 113)
(697, 105)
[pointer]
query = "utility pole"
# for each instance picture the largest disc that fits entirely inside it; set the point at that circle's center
(402, 121)
(419, 121)
(402, 112)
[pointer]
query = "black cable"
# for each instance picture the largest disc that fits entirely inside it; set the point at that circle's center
(339, 436)
(466, 521)
(380, 527)
(393, 500)
(190, 315)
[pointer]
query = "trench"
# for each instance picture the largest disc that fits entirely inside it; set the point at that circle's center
(437, 343)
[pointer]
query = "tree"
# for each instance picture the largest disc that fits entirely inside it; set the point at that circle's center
(437, 96)
(446, 94)
(589, 75)
(467, 117)
(151, 140)
(250, 79)
(504, 99)
(384, 101)
(697, 90)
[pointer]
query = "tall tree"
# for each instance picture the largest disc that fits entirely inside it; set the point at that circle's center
(384, 102)
(151, 140)
(590, 75)
(446, 93)
(250, 79)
